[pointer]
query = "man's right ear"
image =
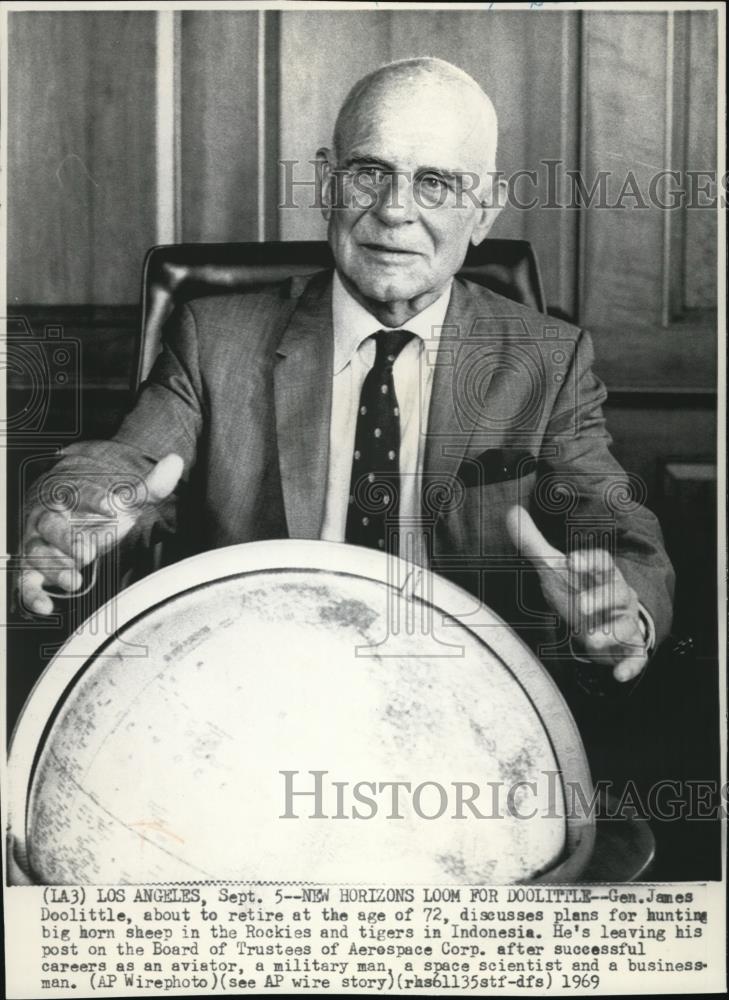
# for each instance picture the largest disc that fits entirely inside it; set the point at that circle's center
(325, 180)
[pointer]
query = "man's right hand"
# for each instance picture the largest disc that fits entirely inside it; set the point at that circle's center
(57, 545)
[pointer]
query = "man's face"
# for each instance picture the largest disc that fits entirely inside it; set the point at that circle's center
(405, 196)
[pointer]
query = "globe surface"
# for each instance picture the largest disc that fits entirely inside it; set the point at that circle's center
(237, 730)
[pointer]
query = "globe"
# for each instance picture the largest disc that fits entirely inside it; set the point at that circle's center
(296, 711)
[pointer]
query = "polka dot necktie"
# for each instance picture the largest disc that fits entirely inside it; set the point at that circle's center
(374, 493)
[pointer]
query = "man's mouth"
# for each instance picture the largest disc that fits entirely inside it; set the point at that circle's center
(381, 248)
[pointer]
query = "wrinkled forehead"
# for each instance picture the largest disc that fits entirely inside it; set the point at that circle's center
(439, 125)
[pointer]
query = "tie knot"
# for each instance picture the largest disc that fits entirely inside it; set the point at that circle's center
(389, 344)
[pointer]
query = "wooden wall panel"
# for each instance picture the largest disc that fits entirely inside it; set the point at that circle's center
(642, 266)
(624, 81)
(219, 125)
(81, 206)
(643, 435)
(700, 279)
(553, 134)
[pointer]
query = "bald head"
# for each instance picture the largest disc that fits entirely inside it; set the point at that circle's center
(422, 90)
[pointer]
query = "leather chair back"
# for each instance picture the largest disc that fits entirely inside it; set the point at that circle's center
(178, 272)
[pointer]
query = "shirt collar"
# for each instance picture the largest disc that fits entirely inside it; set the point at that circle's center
(353, 324)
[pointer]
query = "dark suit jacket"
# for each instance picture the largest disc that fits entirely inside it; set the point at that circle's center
(242, 391)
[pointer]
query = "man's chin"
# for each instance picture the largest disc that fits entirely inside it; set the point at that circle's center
(384, 291)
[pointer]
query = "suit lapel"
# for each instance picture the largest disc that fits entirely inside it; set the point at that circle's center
(303, 394)
(460, 381)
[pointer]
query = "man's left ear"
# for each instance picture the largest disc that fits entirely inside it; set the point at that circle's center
(325, 179)
(489, 211)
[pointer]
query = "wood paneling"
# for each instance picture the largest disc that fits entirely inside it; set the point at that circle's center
(624, 80)
(679, 357)
(553, 135)
(647, 273)
(219, 125)
(81, 206)
(643, 435)
(700, 280)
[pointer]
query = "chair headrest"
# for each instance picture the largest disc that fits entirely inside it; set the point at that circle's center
(183, 271)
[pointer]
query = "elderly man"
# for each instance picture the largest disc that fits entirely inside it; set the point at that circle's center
(390, 404)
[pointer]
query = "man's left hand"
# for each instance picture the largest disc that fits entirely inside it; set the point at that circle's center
(588, 591)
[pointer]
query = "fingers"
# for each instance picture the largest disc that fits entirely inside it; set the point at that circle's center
(617, 643)
(33, 597)
(16, 875)
(58, 544)
(43, 566)
(630, 668)
(588, 590)
(100, 520)
(58, 568)
(603, 603)
(529, 540)
(63, 534)
(54, 550)
(163, 478)
(605, 619)
(592, 565)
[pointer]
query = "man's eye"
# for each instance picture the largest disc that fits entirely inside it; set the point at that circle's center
(370, 175)
(432, 182)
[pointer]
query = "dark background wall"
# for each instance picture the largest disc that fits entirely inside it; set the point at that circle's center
(129, 128)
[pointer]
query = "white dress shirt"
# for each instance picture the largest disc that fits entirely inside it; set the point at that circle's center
(354, 355)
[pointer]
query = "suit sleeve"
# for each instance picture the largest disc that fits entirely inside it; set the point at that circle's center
(586, 493)
(166, 418)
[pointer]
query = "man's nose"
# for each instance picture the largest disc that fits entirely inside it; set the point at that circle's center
(396, 203)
